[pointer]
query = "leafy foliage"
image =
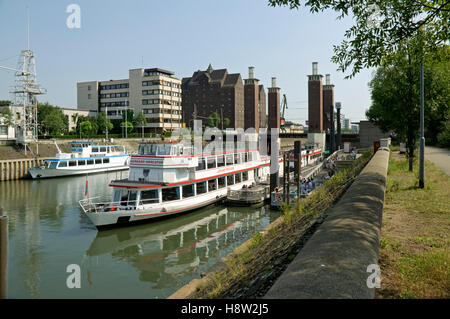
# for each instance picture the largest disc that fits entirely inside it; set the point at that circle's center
(380, 27)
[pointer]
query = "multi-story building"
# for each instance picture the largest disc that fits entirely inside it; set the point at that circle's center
(254, 102)
(212, 91)
(154, 92)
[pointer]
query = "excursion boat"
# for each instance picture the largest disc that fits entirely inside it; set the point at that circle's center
(86, 158)
(168, 178)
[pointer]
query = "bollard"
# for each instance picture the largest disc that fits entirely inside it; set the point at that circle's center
(3, 256)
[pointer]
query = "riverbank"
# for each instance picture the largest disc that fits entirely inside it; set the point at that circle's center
(415, 240)
(251, 269)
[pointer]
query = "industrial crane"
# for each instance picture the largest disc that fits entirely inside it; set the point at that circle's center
(282, 118)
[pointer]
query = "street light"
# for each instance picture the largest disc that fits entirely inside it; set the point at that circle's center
(338, 111)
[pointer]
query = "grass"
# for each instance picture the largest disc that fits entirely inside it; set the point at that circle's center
(414, 247)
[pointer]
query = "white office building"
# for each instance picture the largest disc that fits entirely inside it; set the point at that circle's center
(154, 92)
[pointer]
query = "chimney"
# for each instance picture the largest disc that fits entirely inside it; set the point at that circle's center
(274, 105)
(250, 72)
(274, 82)
(315, 69)
(327, 79)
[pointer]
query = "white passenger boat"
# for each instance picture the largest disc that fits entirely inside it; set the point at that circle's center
(86, 158)
(168, 178)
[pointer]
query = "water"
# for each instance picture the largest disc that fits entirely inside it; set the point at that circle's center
(48, 232)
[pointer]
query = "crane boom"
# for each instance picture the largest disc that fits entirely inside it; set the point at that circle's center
(11, 69)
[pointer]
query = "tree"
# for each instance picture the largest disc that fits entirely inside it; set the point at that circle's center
(141, 121)
(86, 128)
(128, 125)
(226, 122)
(213, 120)
(103, 122)
(395, 92)
(51, 120)
(380, 27)
(6, 116)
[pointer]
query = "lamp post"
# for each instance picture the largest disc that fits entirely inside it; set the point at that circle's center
(338, 111)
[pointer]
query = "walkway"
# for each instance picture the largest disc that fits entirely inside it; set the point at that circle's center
(440, 157)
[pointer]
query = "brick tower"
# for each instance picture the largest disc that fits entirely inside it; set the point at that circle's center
(274, 106)
(328, 99)
(251, 101)
(315, 101)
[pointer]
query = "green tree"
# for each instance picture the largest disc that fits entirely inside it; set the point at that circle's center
(86, 128)
(103, 123)
(395, 93)
(128, 125)
(51, 120)
(213, 120)
(226, 122)
(6, 116)
(379, 27)
(140, 121)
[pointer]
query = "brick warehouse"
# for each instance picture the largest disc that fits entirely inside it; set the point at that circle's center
(212, 91)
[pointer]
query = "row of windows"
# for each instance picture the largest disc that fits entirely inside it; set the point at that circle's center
(114, 95)
(162, 92)
(160, 82)
(223, 160)
(179, 192)
(78, 163)
(119, 103)
(157, 101)
(114, 86)
(161, 111)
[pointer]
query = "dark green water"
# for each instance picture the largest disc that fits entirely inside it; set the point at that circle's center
(48, 232)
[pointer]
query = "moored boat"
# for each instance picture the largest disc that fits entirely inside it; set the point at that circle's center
(85, 158)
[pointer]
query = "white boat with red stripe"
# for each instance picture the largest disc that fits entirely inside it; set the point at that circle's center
(168, 178)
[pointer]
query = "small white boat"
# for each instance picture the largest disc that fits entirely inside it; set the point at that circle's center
(86, 158)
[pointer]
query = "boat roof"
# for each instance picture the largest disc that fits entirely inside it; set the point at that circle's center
(98, 145)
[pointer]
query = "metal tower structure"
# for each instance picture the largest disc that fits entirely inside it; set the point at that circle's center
(24, 102)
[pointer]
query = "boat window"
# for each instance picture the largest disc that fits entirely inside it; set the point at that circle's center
(53, 164)
(94, 149)
(201, 188)
(245, 157)
(220, 161)
(237, 178)
(221, 182)
(62, 164)
(230, 180)
(90, 162)
(188, 190)
(72, 163)
(169, 194)
(105, 160)
(201, 164)
(103, 149)
(151, 196)
(98, 161)
(245, 176)
(229, 159)
(118, 194)
(237, 158)
(81, 162)
(250, 156)
(141, 149)
(211, 162)
(212, 185)
(164, 149)
(132, 195)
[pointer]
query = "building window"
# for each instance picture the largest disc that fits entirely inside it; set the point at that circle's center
(89, 87)
(3, 130)
(89, 96)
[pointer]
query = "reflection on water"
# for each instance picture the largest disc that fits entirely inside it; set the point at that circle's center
(48, 232)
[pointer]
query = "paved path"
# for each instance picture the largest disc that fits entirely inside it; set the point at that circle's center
(440, 157)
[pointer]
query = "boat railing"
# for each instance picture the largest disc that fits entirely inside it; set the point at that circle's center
(93, 206)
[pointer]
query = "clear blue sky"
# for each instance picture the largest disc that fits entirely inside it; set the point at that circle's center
(182, 36)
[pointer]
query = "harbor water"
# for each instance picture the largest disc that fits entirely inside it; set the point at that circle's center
(48, 232)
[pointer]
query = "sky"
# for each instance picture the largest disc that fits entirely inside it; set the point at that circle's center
(182, 36)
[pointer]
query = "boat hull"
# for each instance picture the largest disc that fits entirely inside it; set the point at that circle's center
(38, 172)
(104, 220)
